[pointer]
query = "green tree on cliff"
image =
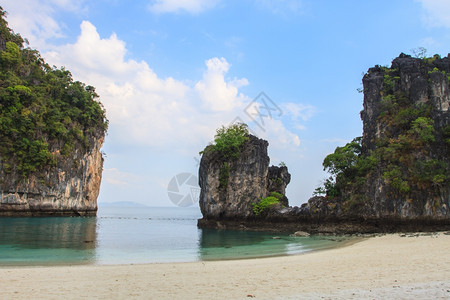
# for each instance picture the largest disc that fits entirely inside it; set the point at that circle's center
(43, 111)
(229, 140)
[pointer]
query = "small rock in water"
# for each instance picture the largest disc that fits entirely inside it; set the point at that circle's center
(276, 238)
(300, 234)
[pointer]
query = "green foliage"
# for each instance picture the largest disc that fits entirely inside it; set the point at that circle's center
(446, 134)
(10, 56)
(405, 116)
(436, 56)
(429, 172)
(332, 188)
(279, 182)
(430, 60)
(266, 203)
(423, 127)
(319, 191)
(348, 167)
(277, 195)
(388, 84)
(343, 158)
(224, 175)
(43, 111)
(439, 179)
(229, 140)
(434, 70)
(394, 177)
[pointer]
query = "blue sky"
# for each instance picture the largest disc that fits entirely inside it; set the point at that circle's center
(170, 72)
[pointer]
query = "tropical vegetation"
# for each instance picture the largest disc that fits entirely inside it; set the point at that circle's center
(44, 112)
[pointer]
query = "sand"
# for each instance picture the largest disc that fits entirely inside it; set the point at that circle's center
(390, 266)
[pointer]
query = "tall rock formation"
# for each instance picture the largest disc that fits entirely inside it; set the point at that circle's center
(51, 131)
(229, 187)
(406, 115)
(400, 173)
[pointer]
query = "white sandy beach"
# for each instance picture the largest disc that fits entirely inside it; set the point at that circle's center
(389, 266)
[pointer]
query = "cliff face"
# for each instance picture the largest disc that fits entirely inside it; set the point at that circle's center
(400, 172)
(422, 82)
(229, 187)
(51, 130)
(278, 179)
(406, 112)
(69, 188)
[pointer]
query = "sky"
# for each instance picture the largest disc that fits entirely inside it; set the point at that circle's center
(169, 73)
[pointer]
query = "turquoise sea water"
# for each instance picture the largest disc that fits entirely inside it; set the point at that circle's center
(125, 235)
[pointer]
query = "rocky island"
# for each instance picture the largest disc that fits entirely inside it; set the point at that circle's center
(231, 185)
(51, 132)
(393, 178)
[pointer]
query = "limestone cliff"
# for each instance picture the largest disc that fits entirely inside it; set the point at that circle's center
(248, 179)
(420, 88)
(400, 172)
(51, 131)
(69, 188)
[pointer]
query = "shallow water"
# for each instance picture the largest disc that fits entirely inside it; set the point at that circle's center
(124, 235)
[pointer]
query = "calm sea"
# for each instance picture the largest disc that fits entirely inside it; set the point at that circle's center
(126, 235)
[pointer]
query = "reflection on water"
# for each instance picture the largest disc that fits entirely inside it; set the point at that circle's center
(53, 240)
(229, 244)
(212, 238)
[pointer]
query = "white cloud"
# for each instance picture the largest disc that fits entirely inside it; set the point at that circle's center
(34, 19)
(437, 12)
(143, 108)
(279, 135)
(215, 91)
(190, 6)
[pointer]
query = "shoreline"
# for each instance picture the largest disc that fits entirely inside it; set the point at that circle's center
(393, 266)
(330, 225)
(339, 241)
